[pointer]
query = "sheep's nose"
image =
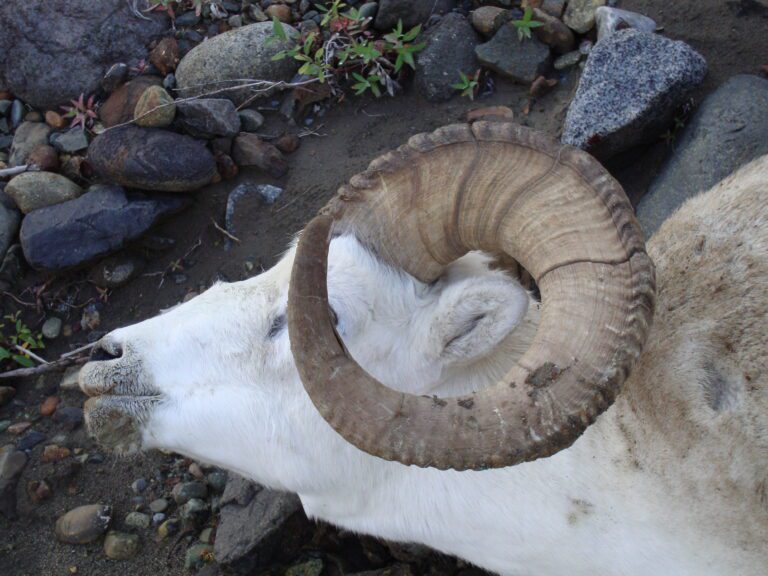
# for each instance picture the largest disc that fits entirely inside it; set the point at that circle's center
(106, 349)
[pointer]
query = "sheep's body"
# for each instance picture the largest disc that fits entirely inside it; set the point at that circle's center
(670, 480)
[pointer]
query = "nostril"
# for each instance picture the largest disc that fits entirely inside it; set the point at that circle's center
(106, 350)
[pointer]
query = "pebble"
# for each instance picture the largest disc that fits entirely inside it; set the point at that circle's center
(184, 491)
(91, 318)
(488, 19)
(45, 158)
(311, 568)
(54, 453)
(121, 104)
(187, 19)
(206, 536)
(28, 136)
(34, 190)
(17, 113)
(158, 518)
(138, 486)
(279, 11)
(116, 270)
(115, 77)
(12, 463)
(568, 60)
(159, 505)
(49, 405)
(121, 546)
(137, 520)
(19, 428)
(367, 10)
(197, 556)
(250, 150)
(69, 417)
(155, 108)
(580, 14)
(288, 143)
(55, 120)
(30, 440)
(167, 528)
(169, 82)
(553, 33)
(250, 120)
(165, 56)
(502, 113)
(4, 425)
(518, 61)
(217, 481)
(52, 328)
(70, 141)
(196, 471)
(83, 524)
(209, 118)
(33, 116)
(235, 21)
(39, 490)
(5, 105)
(609, 20)
(6, 394)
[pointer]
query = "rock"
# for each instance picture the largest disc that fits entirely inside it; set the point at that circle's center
(235, 21)
(568, 60)
(116, 270)
(121, 104)
(197, 556)
(225, 166)
(54, 50)
(501, 113)
(28, 136)
(159, 505)
(6, 394)
(155, 108)
(187, 19)
(137, 520)
(729, 129)
(170, 526)
(35, 190)
(17, 113)
(52, 328)
(98, 223)
(411, 13)
(91, 318)
(139, 485)
(45, 158)
(250, 150)
(83, 524)
(55, 120)
(369, 9)
(518, 61)
(5, 106)
(288, 143)
(9, 222)
(54, 453)
(39, 491)
(553, 7)
(310, 568)
(217, 481)
(4, 425)
(194, 513)
(165, 56)
(72, 140)
(632, 84)
(183, 492)
(121, 546)
(248, 55)
(609, 20)
(12, 462)
(250, 120)
(488, 19)
(49, 405)
(115, 77)
(252, 524)
(450, 49)
(151, 159)
(30, 440)
(158, 518)
(19, 428)
(279, 11)
(553, 33)
(209, 118)
(580, 14)
(69, 417)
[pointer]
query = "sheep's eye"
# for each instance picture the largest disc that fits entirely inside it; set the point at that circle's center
(277, 326)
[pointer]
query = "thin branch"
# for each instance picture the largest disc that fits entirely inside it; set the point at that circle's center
(8, 172)
(30, 354)
(223, 231)
(77, 351)
(19, 301)
(54, 366)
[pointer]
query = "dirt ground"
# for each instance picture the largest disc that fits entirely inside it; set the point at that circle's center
(731, 34)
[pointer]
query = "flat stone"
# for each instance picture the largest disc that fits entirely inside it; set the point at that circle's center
(250, 150)
(248, 55)
(151, 159)
(250, 120)
(632, 85)
(183, 492)
(138, 520)
(55, 50)
(35, 190)
(72, 140)
(488, 19)
(553, 33)
(729, 129)
(30, 440)
(580, 14)
(518, 61)
(121, 546)
(98, 223)
(609, 20)
(27, 137)
(121, 104)
(83, 524)
(209, 118)
(159, 505)
(450, 49)
(155, 108)
(409, 12)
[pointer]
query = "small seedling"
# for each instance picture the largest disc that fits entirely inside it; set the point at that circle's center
(20, 335)
(81, 112)
(468, 84)
(526, 24)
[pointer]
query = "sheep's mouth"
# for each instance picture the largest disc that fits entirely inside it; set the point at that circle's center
(116, 422)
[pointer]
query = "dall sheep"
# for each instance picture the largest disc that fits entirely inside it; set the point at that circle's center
(513, 475)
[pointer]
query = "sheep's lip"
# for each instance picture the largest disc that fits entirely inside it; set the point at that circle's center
(116, 422)
(94, 380)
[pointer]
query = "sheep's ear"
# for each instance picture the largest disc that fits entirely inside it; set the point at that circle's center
(474, 315)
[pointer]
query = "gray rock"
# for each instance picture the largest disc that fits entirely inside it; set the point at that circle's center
(632, 84)
(121, 546)
(411, 13)
(17, 113)
(28, 136)
(98, 223)
(183, 492)
(116, 270)
(251, 528)
(729, 130)
(518, 61)
(197, 556)
(580, 14)
(209, 118)
(312, 567)
(553, 32)
(51, 328)
(248, 55)
(35, 190)
(12, 462)
(159, 505)
(151, 159)
(83, 524)
(54, 50)
(137, 520)
(193, 513)
(30, 440)
(250, 120)
(115, 77)
(70, 141)
(9, 222)
(5, 106)
(68, 417)
(369, 9)
(609, 20)
(450, 49)
(567, 60)
(217, 481)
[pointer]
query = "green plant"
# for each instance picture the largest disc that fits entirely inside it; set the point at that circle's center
(526, 24)
(82, 112)
(468, 84)
(399, 42)
(20, 337)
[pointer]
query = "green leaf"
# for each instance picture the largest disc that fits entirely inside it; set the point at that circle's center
(375, 90)
(23, 360)
(4, 354)
(409, 59)
(280, 55)
(277, 29)
(360, 87)
(399, 61)
(359, 77)
(412, 33)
